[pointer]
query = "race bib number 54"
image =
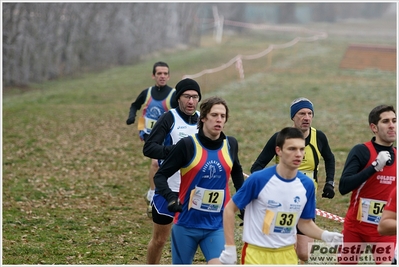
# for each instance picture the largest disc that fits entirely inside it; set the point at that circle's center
(370, 210)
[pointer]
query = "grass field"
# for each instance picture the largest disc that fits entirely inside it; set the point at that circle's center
(74, 173)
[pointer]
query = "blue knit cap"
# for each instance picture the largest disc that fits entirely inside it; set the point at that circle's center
(299, 104)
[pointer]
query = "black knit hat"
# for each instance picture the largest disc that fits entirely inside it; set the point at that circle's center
(187, 84)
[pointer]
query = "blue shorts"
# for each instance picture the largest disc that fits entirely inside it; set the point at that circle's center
(185, 242)
(143, 135)
(160, 210)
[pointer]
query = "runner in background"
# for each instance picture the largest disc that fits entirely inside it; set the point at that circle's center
(156, 100)
(316, 147)
(169, 129)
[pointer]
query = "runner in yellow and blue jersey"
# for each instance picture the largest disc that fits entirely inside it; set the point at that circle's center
(156, 100)
(206, 162)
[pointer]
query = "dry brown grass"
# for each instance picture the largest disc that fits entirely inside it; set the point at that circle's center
(74, 173)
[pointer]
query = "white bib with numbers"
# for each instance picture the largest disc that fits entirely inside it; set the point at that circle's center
(208, 200)
(370, 210)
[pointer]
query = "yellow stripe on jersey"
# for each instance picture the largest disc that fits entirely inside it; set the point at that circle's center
(141, 123)
(308, 162)
(197, 158)
(168, 102)
(226, 154)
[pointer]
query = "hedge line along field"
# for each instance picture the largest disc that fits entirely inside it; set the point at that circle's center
(74, 173)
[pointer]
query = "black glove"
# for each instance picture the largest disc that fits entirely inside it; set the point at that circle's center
(241, 216)
(175, 206)
(130, 121)
(328, 191)
(132, 115)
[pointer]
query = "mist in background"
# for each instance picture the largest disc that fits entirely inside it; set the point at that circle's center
(43, 41)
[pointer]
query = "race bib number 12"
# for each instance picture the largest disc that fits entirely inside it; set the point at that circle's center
(206, 199)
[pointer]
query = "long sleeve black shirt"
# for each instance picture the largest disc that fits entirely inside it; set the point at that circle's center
(154, 146)
(355, 171)
(183, 152)
(269, 152)
(158, 94)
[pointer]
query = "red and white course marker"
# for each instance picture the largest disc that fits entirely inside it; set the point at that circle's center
(328, 215)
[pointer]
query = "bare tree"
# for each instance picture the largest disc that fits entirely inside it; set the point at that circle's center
(287, 13)
(44, 41)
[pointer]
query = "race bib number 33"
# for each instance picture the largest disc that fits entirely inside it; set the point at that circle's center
(285, 222)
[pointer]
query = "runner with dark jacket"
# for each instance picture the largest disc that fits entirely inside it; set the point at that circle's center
(267, 155)
(155, 146)
(169, 129)
(156, 100)
(316, 146)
